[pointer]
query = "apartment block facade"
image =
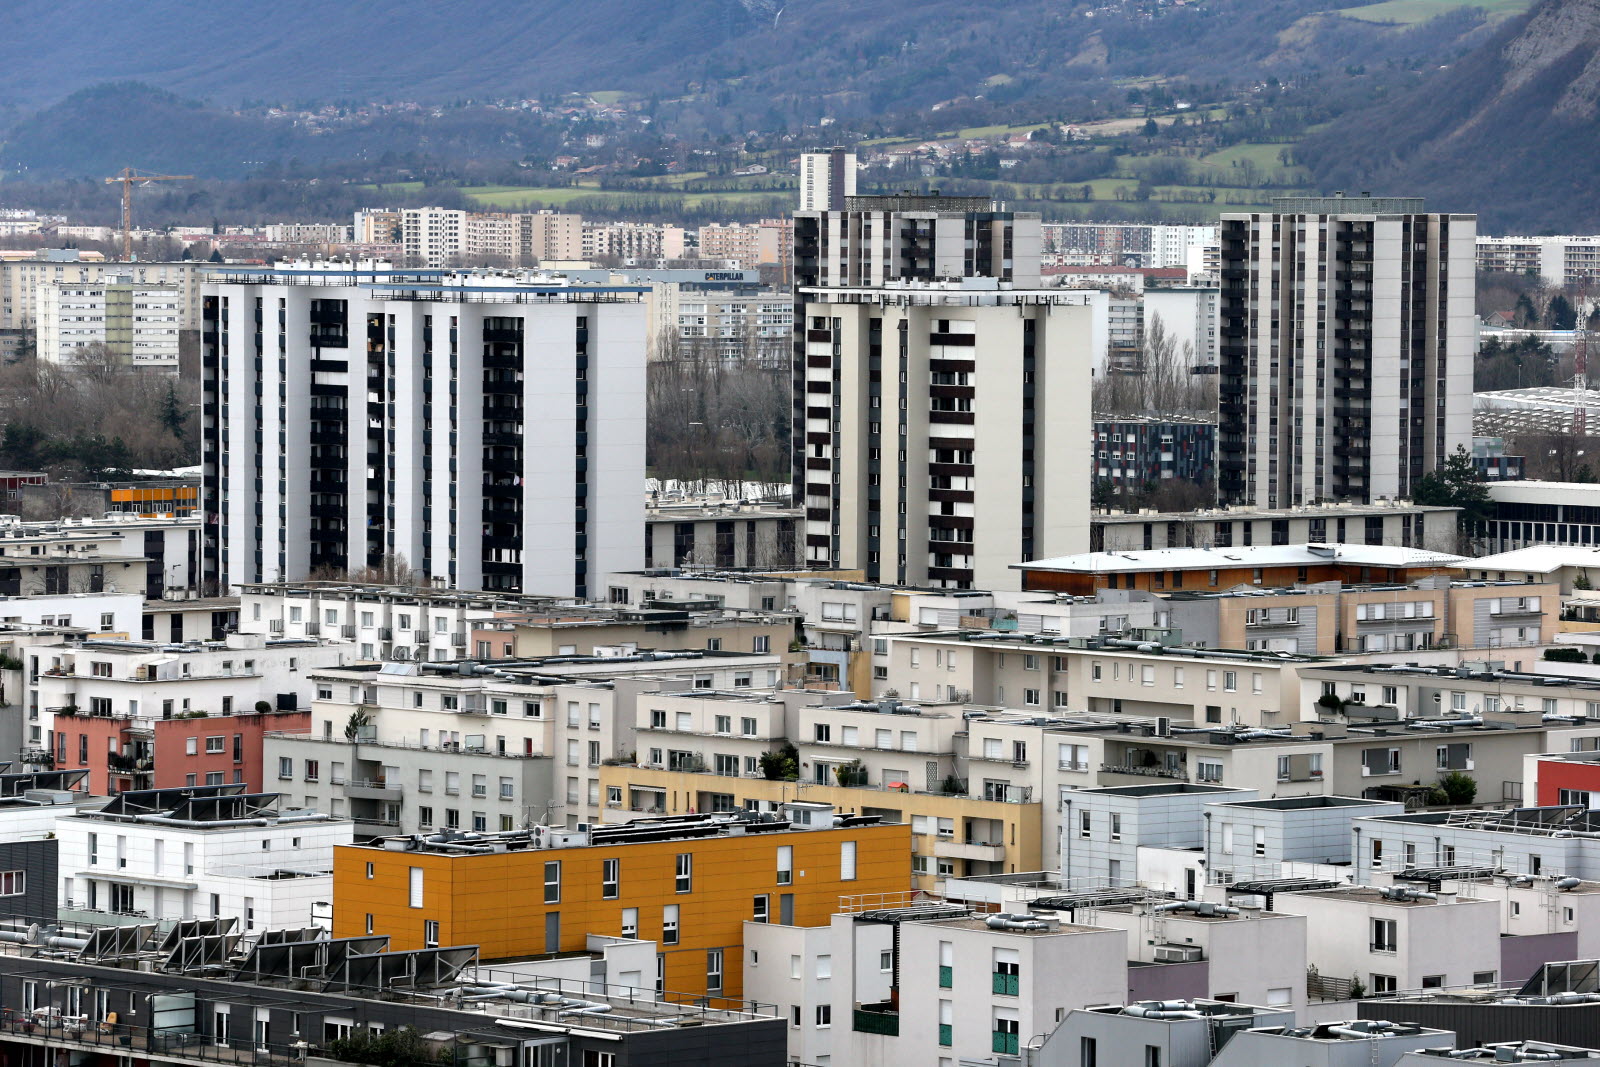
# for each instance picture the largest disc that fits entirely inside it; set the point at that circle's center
(916, 468)
(489, 430)
(1348, 338)
(687, 883)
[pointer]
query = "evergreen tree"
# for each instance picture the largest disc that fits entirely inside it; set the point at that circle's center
(1560, 314)
(1457, 485)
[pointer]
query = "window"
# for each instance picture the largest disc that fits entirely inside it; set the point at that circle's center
(685, 872)
(414, 887)
(1116, 826)
(885, 962)
(610, 879)
(191, 747)
(552, 882)
(630, 922)
(824, 1016)
(1385, 936)
(1088, 1047)
(1085, 822)
(430, 933)
(15, 883)
(847, 861)
(285, 768)
(761, 908)
(824, 966)
(1383, 983)
(785, 864)
(669, 924)
(714, 970)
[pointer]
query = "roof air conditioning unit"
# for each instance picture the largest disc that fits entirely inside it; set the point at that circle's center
(1179, 954)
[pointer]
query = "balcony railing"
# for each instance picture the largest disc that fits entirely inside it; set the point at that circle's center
(1143, 772)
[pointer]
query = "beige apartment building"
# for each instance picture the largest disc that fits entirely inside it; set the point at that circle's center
(1328, 618)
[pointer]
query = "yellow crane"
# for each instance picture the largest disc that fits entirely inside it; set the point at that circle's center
(129, 178)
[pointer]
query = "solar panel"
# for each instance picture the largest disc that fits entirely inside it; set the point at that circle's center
(207, 950)
(186, 928)
(303, 959)
(111, 942)
(425, 968)
(284, 937)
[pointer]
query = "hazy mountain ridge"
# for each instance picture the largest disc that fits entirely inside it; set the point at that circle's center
(1506, 132)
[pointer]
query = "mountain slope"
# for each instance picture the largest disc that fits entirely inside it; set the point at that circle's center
(888, 53)
(1507, 132)
(354, 49)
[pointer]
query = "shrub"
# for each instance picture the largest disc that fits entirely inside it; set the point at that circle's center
(1459, 788)
(1566, 655)
(263, 706)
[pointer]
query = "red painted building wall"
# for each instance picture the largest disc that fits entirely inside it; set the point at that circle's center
(1557, 774)
(85, 742)
(229, 745)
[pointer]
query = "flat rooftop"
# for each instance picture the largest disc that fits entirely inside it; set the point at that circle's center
(1366, 895)
(638, 831)
(1186, 559)
(1047, 927)
(1172, 789)
(1298, 803)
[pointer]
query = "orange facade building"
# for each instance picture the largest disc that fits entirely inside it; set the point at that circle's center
(687, 883)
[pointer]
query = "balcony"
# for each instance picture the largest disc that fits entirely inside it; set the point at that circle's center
(876, 1019)
(957, 850)
(372, 789)
(1143, 772)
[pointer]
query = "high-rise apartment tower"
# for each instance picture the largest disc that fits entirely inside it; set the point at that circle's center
(485, 430)
(941, 409)
(1346, 351)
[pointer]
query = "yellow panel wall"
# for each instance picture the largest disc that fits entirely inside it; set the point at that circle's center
(496, 900)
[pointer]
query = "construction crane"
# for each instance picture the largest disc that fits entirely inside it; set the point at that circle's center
(129, 178)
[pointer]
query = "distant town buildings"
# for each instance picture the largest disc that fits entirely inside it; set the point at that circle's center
(1559, 261)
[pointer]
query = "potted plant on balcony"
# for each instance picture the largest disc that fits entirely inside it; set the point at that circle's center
(853, 773)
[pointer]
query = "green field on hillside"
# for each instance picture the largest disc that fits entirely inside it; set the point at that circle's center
(1411, 12)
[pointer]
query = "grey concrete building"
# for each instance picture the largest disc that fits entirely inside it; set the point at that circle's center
(1124, 1035)
(1102, 830)
(1264, 834)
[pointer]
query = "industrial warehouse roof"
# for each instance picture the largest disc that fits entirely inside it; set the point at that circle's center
(1192, 559)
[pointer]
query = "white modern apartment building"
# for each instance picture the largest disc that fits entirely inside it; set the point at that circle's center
(202, 852)
(1393, 938)
(135, 322)
(380, 622)
(1347, 342)
(826, 178)
(961, 986)
(632, 242)
(488, 431)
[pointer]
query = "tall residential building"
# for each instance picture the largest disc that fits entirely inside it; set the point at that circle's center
(874, 240)
(826, 178)
(929, 479)
(489, 431)
(432, 236)
(1348, 337)
(137, 322)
